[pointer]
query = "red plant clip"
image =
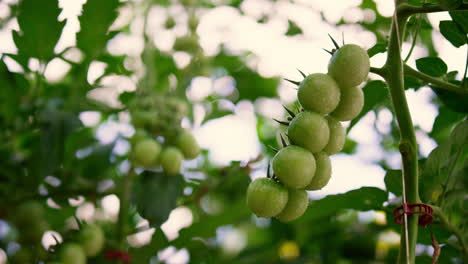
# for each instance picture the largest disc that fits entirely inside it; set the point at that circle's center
(414, 208)
(118, 255)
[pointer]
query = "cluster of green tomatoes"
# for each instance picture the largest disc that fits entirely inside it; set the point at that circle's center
(30, 220)
(314, 134)
(159, 140)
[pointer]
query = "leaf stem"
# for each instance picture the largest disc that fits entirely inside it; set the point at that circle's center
(436, 82)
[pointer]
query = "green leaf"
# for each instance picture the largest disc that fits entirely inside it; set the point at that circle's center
(444, 122)
(433, 66)
(461, 19)
(363, 199)
(375, 94)
(250, 84)
(453, 33)
(155, 196)
(376, 49)
(293, 29)
(393, 182)
(454, 101)
(39, 28)
(459, 134)
(97, 17)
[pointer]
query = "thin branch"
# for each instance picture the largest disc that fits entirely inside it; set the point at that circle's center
(379, 71)
(437, 82)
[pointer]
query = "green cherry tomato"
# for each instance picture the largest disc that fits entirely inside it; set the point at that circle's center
(310, 131)
(28, 212)
(72, 253)
(139, 135)
(171, 160)
(266, 198)
(322, 173)
(349, 65)
(146, 152)
(187, 143)
(319, 93)
(351, 103)
(298, 201)
(294, 166)
(337, 136)
(92, 240)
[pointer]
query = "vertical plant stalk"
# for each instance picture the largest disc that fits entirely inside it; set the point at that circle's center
(408, 146)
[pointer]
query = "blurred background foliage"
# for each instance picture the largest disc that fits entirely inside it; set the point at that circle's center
(65, 129)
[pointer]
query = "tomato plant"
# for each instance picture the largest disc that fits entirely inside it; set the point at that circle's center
(100, 102)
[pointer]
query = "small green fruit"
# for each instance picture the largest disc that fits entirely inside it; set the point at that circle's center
(319, 93)
(146, 152)
(266, 198)
(310, 131)
(322, 173)
(92, 240)
(337, 136)
(72, 253)
(298, 201)
(349, 65)
(294, 166)
(187, 143)
(351, 104)
(171, 160)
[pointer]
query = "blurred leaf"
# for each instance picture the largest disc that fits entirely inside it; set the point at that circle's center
(145, 253)
(250, 84)
(115, 64)
(350, 146)
(293, 29)
(461, 19)
(96, 18)
(376, 49)
(13, 87)
(444, 122)
(375, 94)
(208, 225)
(363, 199)
(97, 164)
(433, 66)
(453, 33)
(40, 29)
(413, 83)
(156, 194)
(393, 182)
(455, 101)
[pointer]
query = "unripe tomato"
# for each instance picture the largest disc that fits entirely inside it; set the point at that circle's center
(319, 93)
(298, 201)
(28, 212)
(310, 131)
(351, 103)
(294, 166)
(146, 152)
(72, 253)
(138, 136)
(187, 143)
(266, 198)
(92, 240)
(349, 65)
(337, 136)
(322, 173)
(171, 160)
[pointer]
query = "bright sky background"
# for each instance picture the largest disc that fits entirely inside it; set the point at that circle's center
(234, 137)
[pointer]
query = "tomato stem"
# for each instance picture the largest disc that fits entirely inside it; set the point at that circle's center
(408, 145)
